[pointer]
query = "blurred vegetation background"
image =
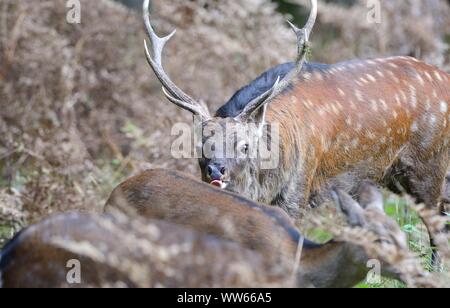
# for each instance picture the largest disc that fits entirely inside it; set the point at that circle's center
(80, 110)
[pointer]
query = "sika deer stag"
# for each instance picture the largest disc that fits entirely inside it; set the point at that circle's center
(192, 236)
(385, 119)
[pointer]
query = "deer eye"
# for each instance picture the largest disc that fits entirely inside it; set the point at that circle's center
(245, 148)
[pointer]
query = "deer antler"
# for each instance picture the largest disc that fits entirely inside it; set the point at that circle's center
(279, 86)
(154, 58)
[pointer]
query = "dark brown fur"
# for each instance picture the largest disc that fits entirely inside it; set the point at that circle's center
(179, 199)
(121, 252)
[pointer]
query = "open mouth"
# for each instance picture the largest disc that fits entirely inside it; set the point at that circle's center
(219, 184)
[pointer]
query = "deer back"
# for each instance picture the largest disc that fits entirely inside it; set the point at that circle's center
(180, 199)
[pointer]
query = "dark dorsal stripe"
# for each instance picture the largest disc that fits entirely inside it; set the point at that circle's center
(260, 85)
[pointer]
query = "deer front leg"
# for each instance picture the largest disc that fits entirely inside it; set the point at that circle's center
(289, 198)
(294, 197)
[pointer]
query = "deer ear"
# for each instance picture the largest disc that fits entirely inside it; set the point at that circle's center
(370, 197)
(351, 209)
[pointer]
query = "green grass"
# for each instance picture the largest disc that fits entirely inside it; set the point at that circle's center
(385, 283)
(413, 227)
(409, 222)
(6, 231)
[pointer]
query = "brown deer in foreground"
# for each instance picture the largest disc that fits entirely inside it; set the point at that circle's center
(387, 120)
(116, 251)
(265, 229)
(192, 236)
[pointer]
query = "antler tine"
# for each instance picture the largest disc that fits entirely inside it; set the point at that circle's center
(279, 86)
(311, 20)
(154, 58)
(303, 45)
(303, 35)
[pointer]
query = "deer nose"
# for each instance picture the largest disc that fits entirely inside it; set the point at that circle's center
(215, 172)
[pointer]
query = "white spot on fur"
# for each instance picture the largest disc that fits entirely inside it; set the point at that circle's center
(371, 78)
(444, 107)
(359, 96)
(384, 105)
(397, 99)
(371, 136)
(335, 109)
(413, 91)
(374, 105)
(438, 76)
(428, 104)
(391, 73)
(380, 73)
(433, 120)
(393, 65)
(421, 81)
(341, 92)
(404, 97)
(414, 127)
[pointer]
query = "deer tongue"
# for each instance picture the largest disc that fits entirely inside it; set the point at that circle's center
(216, 183)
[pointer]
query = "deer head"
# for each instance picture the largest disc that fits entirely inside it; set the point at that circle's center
(368, 213)
(239, 135)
